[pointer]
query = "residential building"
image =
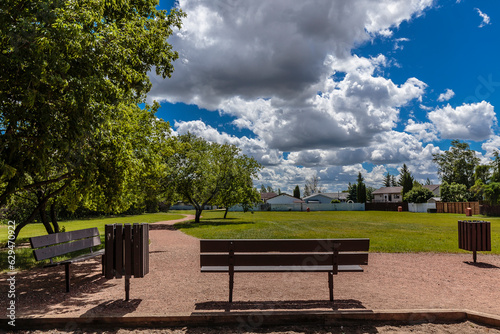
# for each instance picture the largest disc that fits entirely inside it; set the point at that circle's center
(265, 196)
(393, 194)
(284, 199)
(323, 198)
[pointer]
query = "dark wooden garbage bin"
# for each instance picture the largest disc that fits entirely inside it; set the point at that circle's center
(474, 236)
(126, 252)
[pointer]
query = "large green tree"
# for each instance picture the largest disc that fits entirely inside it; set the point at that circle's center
(70, 71)
(210, 173)
(418, 194)
(458, 164)
(454, 192)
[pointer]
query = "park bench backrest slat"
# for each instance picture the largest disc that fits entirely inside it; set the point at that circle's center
(56, 238)
(280, 245)
(283, 259)
(64, 248)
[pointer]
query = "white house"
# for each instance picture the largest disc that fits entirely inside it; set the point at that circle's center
(387, 194)
(393, 194)
(284, 199)
(323, 198)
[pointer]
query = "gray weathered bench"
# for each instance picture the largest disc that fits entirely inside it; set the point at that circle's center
(57, 244)
(283, 255)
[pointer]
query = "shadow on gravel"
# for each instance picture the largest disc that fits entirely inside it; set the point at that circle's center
(117, 308)
(280, 305)
(481, 265)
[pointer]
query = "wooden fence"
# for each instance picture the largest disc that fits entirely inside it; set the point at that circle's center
(458, 207)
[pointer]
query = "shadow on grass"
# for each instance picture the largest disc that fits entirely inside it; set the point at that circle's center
(280, 305)
(213, 222)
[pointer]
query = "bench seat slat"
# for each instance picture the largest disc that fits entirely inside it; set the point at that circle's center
(80, 258)
(61, 249)
(56, 238)
(264, 269)
(275, 259)
(283, 245)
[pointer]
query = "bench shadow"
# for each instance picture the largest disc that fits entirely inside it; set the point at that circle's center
(279, 305)
(48, 285)
(115, 307)
(481, 265)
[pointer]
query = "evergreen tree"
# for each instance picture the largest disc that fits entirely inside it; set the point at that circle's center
(361, 189)
(296, 192)
(387, 181)
(405, 180)
(393, 181)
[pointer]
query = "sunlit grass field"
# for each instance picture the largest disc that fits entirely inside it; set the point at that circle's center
(24, 254)
(388, 231)
(392, 232)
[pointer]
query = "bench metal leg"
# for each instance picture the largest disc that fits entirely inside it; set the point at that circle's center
(67, 272)
(231, 285)
(127, 287)
(330, 285)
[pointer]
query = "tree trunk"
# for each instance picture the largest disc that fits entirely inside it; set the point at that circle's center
(225, 213)
(198, 214)
(40, 208)
(53, 218)
(43, 217)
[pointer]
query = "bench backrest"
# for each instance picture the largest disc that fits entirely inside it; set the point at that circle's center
(56, 244)
(283, 252)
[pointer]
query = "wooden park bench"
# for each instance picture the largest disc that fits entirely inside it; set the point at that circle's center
(283, 255)
(57, 244)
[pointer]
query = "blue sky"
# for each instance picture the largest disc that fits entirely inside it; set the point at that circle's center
(334, 88)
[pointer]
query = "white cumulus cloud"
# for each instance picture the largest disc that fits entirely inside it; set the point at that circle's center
(467, 122)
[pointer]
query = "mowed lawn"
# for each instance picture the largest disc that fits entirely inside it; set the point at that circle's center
(399, 232)
(24, 254)
(33, 230)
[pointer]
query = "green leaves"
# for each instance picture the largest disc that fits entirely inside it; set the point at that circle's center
(210, 173)
(457, 164)
(72, 75)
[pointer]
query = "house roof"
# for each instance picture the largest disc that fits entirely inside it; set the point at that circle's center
(388, 190)
(296, 200)
(329, 195)
(266, 196)
(432, 187)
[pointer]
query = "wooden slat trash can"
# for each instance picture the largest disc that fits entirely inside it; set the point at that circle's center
(126, 252)
(474, 236)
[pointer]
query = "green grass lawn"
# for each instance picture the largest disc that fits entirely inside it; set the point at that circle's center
(397, 232)
(33, 230)
(389, 231)
(24, 254)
